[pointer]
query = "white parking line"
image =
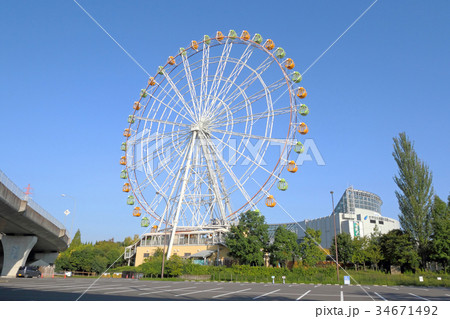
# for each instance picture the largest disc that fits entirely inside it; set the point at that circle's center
(266, 294)
(376, 293)
(135, 290)
(167, 290)
(303, 295)
(196, 292)
(447, 295)
(419, 297)
(342, 295)
(232, 292)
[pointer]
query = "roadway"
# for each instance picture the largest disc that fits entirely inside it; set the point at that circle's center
(70, 289)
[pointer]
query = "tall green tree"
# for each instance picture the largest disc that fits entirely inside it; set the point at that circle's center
(284, 247)
(249, 240)
(345, 248)
(414, 180)
(440, 223)
(397, 248)
(373, 250)
(359, 256)
(310, 251)
(76, 240)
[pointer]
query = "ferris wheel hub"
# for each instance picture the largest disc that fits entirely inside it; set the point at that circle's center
(201, 125)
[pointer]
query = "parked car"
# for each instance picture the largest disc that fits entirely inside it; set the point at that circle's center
(28, 272)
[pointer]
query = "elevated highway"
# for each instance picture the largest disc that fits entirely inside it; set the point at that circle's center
(28, 233)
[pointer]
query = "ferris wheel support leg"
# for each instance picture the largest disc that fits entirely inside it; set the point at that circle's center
(183, 190)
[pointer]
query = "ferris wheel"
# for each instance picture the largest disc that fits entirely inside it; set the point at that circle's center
(212, 132)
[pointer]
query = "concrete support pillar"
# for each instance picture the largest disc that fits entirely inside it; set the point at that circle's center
(49, 258)
(15, 252)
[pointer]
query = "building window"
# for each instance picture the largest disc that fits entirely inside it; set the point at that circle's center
(358, 217)
(187, 254)
(146, 255)
(373, 221)
(381, 222)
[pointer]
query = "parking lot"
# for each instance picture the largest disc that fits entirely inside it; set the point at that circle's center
(59, 289)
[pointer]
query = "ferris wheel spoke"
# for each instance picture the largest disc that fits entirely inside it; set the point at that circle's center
(220, 69)
(161, 121)
(257, 137)
(239, 65)
(178, 93)
(190, 81)
(236, 180)
(245, 156)
(166, 105)
(256, 74)
(204, 76)
(251, 99)
(253, 117)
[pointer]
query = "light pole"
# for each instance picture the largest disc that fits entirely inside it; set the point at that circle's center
(165, 230)
(335, 237)
(74, 209)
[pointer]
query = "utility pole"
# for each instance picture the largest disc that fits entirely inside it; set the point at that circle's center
(165, 230)
(335, 237)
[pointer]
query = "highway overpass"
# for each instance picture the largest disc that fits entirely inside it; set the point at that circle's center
(28, 233)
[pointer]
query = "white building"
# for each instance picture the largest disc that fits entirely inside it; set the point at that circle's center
(357, 213)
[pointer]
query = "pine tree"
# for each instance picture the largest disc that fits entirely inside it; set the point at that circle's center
(414, 180)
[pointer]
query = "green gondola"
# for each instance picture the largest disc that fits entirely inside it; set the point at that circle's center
(303, 110)
(280, 53)
(145, 222)
(232, 34)
(144, 93)
(296, 77)
(130, 200)
(130, 119)
(123, 147)
(123, 174)
(282, 184)
(207, 39)
(257, 38)
(299, 148)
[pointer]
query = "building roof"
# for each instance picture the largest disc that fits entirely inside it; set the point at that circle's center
(202, 254)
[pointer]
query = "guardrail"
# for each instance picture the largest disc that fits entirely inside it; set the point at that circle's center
(21, 194)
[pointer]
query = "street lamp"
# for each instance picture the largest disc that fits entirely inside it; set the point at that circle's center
(74, 209)
(165, 230)
(335, 237)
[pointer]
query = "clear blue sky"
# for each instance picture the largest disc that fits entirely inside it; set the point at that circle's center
(66, 90)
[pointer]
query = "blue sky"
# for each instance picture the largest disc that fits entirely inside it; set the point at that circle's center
(66, 90)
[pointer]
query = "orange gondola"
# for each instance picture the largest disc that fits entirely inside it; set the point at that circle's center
(269, 44)
(301, 92)
(171, 60)
(302, 128)
(270, 201)
(123, 160)
(126, 132)
(137, 212)
(194, 45)
(151, 81)
(245, 35)
(289, 64)
(219, 36)
(292, 167)
(126, 187)
(137, 105)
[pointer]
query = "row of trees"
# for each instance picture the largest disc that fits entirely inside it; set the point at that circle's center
(92, 257)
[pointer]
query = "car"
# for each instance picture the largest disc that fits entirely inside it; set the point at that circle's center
(28, 272)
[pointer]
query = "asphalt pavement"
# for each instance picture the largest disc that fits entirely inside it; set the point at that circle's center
(71, 289)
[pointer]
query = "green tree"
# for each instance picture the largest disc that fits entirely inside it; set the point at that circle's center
(397, 248)
(76, 240)
(284, 247)
(249, 240)
(359, 256)
(440, 223)
(415, 196)
(373, 251)
(128, 241)
(174, 266)
(310, 251)
(345, 248)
